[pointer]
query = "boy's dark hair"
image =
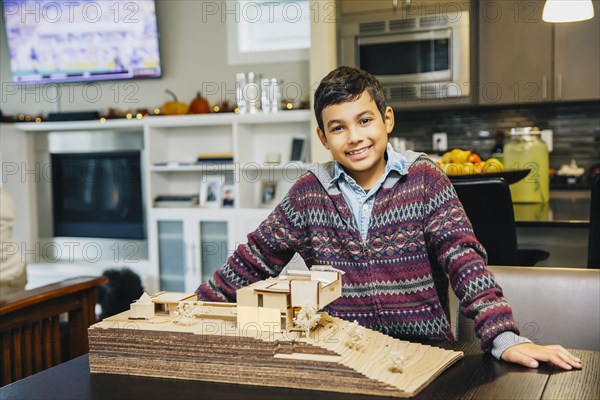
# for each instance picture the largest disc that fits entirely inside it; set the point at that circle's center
(347, 84)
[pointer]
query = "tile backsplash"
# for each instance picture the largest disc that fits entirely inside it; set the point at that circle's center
(575, 126)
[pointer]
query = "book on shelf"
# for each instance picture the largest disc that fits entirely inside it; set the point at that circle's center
(215, 157)
(165, 200)
(174, 163)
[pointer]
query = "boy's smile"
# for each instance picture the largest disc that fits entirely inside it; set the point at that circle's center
(357, 135)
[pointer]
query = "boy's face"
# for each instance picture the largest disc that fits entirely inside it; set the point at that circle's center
(357, 135)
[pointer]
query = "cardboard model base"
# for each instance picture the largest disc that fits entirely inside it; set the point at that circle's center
(214, 347)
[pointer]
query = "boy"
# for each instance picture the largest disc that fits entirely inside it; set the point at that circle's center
(392, 222)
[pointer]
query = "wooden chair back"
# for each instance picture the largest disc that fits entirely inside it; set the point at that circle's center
(550, 305)
(30, 326)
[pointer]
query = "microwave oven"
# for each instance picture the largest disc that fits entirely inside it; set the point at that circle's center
(416, 59)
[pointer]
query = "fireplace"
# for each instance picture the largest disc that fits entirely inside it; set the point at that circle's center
(96, 186)
(97, 194)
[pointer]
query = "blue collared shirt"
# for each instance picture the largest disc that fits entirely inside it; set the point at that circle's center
(361, 202)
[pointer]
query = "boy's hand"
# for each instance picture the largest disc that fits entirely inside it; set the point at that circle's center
(528, 354)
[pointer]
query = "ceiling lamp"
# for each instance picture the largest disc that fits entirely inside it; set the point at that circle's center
(568, 10)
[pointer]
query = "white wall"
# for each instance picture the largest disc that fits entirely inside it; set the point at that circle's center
(323, 56)
(19, 180)
(193, 54)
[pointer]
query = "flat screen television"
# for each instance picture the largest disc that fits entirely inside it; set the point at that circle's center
(81, 41)
(97, 195)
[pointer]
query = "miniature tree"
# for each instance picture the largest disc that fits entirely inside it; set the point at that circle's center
(307, 319)
(398, 360)
(356, 336)
(187, 311)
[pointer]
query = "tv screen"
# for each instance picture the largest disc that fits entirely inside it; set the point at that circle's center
(85, 40)
(98, 195)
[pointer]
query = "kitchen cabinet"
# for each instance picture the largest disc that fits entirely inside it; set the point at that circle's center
(400, 8)
(577, 59)
(171, 254)
(524, 59)
(190, 245)
(356, 6)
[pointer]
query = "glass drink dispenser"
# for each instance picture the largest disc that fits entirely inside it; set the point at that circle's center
(525, 149)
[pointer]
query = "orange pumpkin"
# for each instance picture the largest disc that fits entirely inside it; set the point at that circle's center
(199, 105)
(174, 107)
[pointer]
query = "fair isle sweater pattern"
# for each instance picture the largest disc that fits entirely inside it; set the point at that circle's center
(396, 281)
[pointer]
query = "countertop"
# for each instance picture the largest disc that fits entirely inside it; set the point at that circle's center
(569, 208)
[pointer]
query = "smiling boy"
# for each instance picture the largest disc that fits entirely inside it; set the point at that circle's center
(392, 222)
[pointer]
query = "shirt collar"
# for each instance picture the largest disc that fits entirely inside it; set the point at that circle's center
(395, 162)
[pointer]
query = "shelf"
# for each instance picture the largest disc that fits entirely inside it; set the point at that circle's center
(165, 213)
(206, 167)
(172, 121)
(216, 167)
(229, 118)
(121, 124)
(278, 117)
(276, 167)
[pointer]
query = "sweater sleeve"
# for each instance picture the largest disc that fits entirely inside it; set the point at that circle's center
(268, 250)
(452, 243)
(505, 340)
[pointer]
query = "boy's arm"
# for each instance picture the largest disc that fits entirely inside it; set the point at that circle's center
(267, 252)
(451, 241)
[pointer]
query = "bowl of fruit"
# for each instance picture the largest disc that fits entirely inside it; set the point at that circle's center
(461, 164)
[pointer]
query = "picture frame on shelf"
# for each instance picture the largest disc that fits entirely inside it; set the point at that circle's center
(268, 194)
(228, 196)
(211, 191)
(298, 150)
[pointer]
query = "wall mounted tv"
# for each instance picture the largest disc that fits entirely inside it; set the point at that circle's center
(81, 41)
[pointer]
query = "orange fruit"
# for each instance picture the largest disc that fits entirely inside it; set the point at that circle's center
(474, 158)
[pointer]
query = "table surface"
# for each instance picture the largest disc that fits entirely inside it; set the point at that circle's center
(476, 376)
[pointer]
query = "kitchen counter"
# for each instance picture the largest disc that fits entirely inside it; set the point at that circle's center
(565, 209)
(560, 227)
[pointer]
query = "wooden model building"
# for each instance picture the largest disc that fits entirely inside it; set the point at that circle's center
(273, 336)
(274, 303)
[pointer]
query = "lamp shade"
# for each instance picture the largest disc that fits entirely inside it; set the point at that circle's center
(568, 10)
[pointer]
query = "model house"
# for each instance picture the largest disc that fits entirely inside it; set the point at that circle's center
(272, 304)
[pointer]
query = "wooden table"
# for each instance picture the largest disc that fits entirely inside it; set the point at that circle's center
(476, 376)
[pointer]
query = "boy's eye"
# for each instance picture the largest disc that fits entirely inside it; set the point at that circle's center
(365, 120)
(336, 128)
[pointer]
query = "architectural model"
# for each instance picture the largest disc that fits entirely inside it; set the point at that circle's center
(273, 336)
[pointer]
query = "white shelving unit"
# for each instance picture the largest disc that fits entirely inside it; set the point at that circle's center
(201, 239)
(186, 244)
(173, 148)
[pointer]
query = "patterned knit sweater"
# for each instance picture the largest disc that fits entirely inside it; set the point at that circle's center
(396, 281)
